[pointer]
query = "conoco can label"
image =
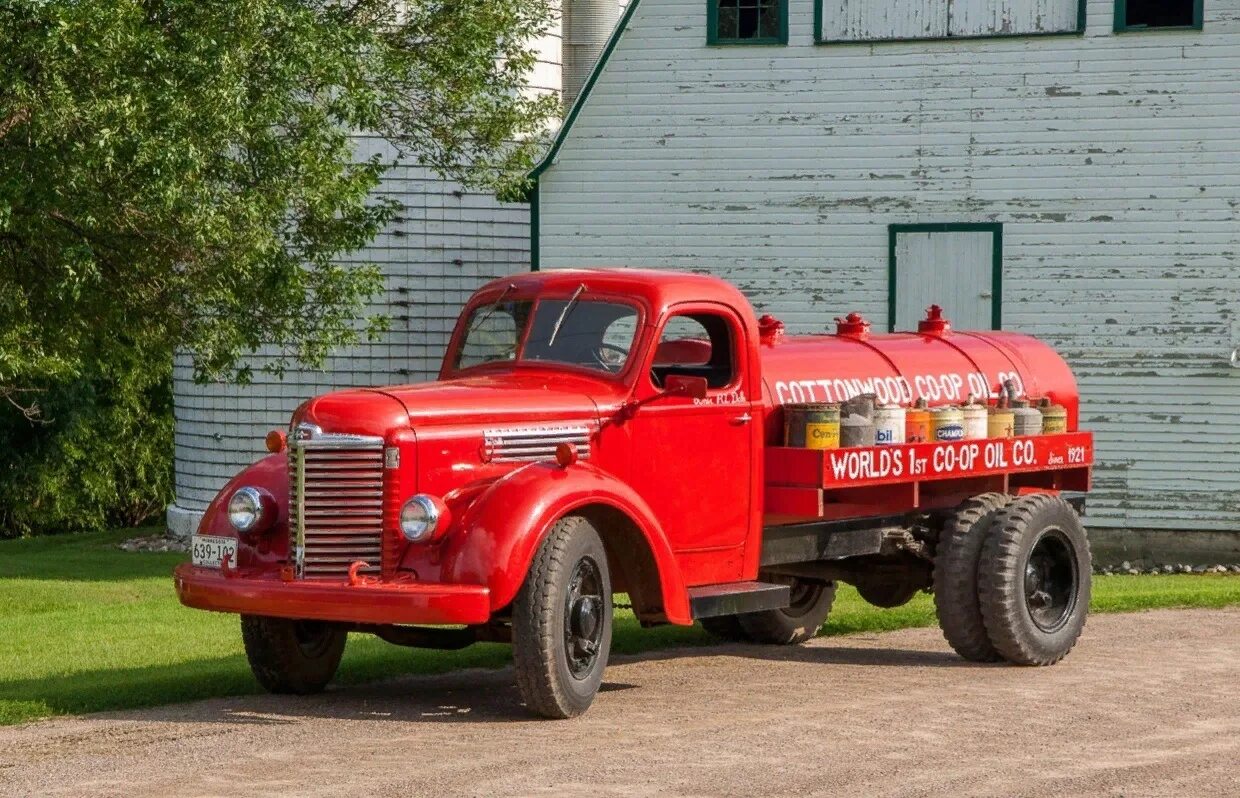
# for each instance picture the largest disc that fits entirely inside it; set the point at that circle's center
(822, 436)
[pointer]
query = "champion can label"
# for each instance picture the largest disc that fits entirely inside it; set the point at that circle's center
(949, 432)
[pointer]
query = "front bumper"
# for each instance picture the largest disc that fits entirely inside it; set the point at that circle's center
(371, 603)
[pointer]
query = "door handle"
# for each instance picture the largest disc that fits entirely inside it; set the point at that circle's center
(744, 418)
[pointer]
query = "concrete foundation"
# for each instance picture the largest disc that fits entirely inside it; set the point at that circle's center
(1146, 548)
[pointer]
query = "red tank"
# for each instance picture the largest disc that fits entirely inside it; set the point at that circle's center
(937, 364)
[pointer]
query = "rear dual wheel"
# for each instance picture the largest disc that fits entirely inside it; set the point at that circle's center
(1034, 580)
(1012, 579)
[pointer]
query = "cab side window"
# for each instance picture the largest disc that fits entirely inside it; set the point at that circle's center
(696, 345)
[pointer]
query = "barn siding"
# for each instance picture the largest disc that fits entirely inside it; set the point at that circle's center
(1112, 161)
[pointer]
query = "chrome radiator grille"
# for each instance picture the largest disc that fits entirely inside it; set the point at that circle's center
(336, 504)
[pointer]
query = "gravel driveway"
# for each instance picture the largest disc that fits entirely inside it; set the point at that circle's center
(1148, 704)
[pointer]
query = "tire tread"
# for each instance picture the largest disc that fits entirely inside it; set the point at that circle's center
(956, 561)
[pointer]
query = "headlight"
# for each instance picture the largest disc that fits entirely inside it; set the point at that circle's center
(245, 509)
(420, 517)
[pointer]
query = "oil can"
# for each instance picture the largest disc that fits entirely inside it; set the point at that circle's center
(812, 426)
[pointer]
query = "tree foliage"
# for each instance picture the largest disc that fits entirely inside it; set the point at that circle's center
(181, 173)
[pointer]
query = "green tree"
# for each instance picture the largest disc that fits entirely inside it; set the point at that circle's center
(180, 174)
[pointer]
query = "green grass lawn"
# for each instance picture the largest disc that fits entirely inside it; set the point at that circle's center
(87, 627)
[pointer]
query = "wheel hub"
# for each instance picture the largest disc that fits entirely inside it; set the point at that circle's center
(583, 617)
(1051, 581)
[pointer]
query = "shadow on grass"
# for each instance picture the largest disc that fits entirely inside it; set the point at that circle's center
(89, 557)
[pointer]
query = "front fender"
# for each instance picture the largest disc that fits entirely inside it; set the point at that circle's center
(502, 530)
(271, 474)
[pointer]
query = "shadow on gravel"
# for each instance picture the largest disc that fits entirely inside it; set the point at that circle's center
(489, 696)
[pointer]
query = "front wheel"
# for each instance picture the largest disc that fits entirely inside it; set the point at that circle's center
(561, 621)
(1034, 580)
(286, 656)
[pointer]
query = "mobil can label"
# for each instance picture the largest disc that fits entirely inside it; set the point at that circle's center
(890, 424)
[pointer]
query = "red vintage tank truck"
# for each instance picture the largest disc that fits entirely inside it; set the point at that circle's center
(624, 431)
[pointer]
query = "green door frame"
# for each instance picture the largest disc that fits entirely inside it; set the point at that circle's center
(996, 231)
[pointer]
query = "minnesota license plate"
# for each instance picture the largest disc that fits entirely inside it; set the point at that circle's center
(209, 550)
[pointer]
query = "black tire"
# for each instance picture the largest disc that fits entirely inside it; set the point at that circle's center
(811, 603)
(955, 576)
(561, 621)
(1034, 580)
(297, 657)
(725, 627)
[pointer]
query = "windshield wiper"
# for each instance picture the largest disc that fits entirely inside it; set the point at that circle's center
(564, 314)
(474, 327)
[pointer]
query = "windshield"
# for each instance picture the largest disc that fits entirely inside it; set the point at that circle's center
(593, 334)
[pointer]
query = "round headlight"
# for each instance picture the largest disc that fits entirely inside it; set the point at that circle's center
(419, 518)
(245, 509)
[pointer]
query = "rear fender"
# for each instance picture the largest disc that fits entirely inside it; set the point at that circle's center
(502, 530)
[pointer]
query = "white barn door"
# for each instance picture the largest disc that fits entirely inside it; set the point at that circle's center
(957, 266)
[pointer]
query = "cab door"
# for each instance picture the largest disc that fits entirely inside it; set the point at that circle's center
(693, 458)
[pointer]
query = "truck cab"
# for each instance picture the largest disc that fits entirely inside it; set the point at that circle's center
(622, 431)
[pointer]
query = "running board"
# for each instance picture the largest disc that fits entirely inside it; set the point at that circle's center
(710, 601)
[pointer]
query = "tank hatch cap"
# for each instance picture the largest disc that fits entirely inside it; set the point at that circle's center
(935, 323)
(853, 325)
(770, 329)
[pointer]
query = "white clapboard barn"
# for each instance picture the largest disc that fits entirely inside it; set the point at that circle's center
(446, 242)
(1067, 169)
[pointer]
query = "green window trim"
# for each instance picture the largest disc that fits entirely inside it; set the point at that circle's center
(712, 28)
(1079, 30)
(1122, 26)
(996, 264)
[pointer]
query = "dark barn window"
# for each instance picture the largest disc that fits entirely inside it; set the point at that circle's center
(1153, 14)
(747, 22)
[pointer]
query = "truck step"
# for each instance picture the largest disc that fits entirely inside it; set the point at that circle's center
(709, 601)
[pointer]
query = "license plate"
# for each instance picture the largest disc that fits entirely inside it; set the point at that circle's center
(209, 550)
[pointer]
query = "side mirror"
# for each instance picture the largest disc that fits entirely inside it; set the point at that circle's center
(684, 385)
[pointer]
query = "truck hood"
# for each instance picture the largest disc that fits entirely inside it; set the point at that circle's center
(354, 412)
(500, 399)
